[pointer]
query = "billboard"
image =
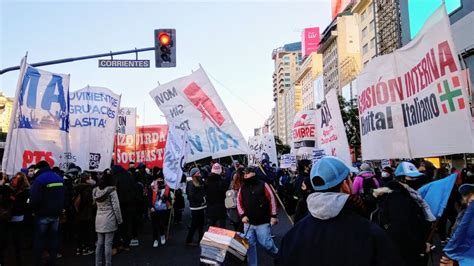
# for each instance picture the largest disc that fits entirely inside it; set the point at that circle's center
(337, 6)
(310, 40)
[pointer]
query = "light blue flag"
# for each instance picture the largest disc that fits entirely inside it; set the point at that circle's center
(436, 194)
(461, 245)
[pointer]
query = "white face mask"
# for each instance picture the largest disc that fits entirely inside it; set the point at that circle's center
(385, 174)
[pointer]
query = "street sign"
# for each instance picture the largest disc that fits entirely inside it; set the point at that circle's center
(124, 63)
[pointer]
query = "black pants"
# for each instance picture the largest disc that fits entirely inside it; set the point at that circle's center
(12, 234)
(85, 233)
(197, 222)
(219, 222)
(136, 221)
(159, 221)
(126, 227)
(178, 216)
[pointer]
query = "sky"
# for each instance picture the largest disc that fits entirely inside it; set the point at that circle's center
(232, 40)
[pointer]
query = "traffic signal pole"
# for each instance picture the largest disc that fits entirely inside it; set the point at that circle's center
(72, 59)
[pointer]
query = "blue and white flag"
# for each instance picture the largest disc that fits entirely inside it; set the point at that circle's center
(39, 122)
(176, 151)
(436, 194)
(461, 245)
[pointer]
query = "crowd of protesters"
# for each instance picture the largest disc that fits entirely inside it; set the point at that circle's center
(344, 215)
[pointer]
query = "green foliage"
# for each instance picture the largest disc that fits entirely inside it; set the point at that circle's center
(280, 147)
(3, 136)
(350, 118)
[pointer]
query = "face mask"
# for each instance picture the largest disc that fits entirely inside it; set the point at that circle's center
(385, 174)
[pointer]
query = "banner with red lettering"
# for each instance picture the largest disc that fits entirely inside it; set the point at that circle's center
(146, 146)
(331, 133)
(39, 122)
(412, 103)
(304, 133)
(192, 103)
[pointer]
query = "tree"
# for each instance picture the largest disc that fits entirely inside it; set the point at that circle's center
(350, 118)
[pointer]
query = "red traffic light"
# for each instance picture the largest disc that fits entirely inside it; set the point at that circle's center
(164, 38)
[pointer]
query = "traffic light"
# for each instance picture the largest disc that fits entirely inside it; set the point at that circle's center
(165, 48)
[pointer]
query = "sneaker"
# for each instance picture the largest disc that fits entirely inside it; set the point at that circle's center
(134, 243)
(78, 251)
(163, 240)
(155, 244)
(59, 255)
(87, 252)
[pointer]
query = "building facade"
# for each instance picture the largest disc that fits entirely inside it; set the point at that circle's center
(287, 60)
(6, 107)
(340, 48)
(364, 10)
(310, 69)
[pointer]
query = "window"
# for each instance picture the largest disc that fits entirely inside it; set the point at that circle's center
(363, 16)
(364, 32)
(365, 49)
(287, 85)
(287, 80)
(286, 63)
(287, 74)
(372, 43)
(372, 25)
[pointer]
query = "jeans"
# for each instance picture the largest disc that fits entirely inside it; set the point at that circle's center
(46, 235)
(197, 222)
(104, 242)
(262, 234)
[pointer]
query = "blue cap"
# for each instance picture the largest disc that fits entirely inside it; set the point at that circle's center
(407, 169)
(332, 171)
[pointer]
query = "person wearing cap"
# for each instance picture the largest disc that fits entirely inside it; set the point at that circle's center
(47, 203)
(196, 192)
(215, 191)
(404, 215)
(256, 205)
(335, 233)
(461, 239)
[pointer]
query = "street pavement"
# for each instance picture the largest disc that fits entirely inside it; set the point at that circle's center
(175, 252)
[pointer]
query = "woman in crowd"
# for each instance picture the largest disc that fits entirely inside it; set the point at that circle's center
(107, 219)
(20, 196)
(84, 207)
(161, 200)
(197, 203)
(235, 185)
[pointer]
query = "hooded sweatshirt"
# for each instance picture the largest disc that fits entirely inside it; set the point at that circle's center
(108, 215)
(335, 234)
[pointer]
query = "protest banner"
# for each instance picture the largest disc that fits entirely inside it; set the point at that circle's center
(331, 133)
(411, 100)
(192, 103)
(288, 161)
(262, 147)
(93, 122)
(39, 123)
(127, 120)
(176, 151)
(304, 133)
(318, 154)
(146, 146)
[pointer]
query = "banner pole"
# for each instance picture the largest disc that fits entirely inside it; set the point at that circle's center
(282, 206)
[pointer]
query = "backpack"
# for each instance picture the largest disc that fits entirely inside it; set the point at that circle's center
(230, 199)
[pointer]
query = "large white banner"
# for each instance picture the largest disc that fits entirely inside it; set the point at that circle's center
(176, 151)
(262, 147)
(413, 102)
(304, 133)
(192, 103)
(331, 133)
(127, 121)
(39, 122)
(92, 127)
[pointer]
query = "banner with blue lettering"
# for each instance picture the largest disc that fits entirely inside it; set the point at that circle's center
(39, 122)
(192, 103)
(93, 123)
(177, 148)
(262, 147)
(413, 102)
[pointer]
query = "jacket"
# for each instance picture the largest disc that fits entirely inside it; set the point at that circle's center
(126, 187)
(404, 220)
(108, 215)
(358, 185)
(196, 196)
(156, 193)
(255, 200)
(20, 205)
(47, 194)
(215, 190)
(86, 206)
(335, 235)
